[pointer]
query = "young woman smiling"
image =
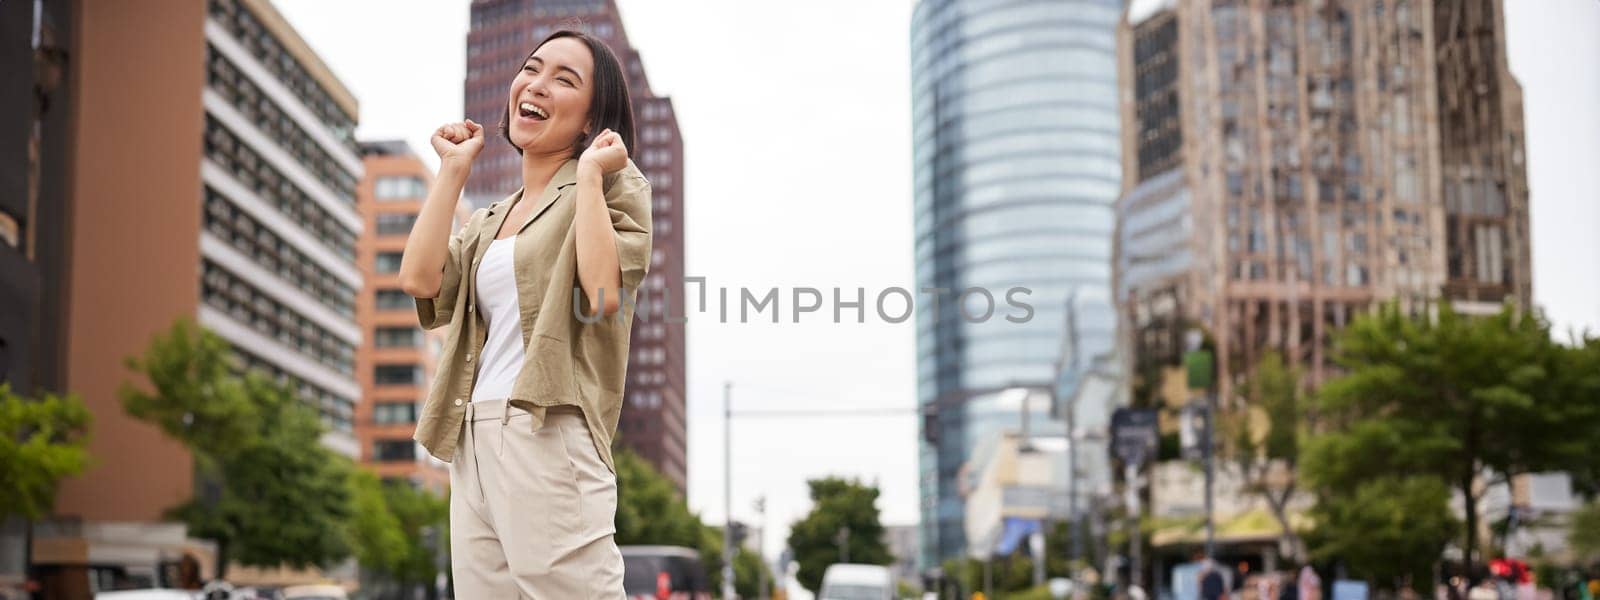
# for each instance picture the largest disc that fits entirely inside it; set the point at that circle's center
(536, 291)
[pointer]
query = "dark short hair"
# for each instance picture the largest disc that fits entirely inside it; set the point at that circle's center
(610, 104)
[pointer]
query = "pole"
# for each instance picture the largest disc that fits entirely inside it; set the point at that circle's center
(1072, 486)
(1211, 526)
(1036, 543)
(1131, 474)
(761, 574)
(727, 490)
(988, 577)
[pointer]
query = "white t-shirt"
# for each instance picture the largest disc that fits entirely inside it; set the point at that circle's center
(502, 356)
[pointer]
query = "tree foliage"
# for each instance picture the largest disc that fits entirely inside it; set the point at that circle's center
(650, 512)
(1266, 434)
(424, 519)
(1460, 400)
(1584, 533)
(193, 394)
(269, 492)
(1387, 531)
(836, 504)
(41, 441)
(376, 536)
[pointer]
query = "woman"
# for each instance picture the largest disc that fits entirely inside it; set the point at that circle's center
(537, 292)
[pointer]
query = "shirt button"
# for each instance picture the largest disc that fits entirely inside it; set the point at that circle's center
(469, 308)
(469, 358)
(458, 402)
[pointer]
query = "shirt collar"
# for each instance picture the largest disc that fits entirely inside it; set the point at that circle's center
(565, 176)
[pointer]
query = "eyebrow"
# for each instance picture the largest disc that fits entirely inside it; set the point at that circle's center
(568, 69)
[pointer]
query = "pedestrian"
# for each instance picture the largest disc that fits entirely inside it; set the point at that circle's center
(536, 293)
(1267, 586)
(1310, 584)
(1212, 584)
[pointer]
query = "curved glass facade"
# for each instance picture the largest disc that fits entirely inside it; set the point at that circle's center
(1017, 168)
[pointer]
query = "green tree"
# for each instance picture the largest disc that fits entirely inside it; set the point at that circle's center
(747, 571)
(269, 492)
(1387, 530)
(649, 510)
(41, 442)
(1466, 400)
(193, 393)
(423, 518)
(396, 532)
(1584, 533)
(1265, 440)
(837, 505)
(375, 533)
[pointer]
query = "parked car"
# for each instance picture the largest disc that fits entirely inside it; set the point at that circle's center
(664, 573)
(845, 581)
(149, 595)
(315, 592)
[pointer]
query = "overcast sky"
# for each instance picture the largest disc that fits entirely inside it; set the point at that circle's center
(796, 127)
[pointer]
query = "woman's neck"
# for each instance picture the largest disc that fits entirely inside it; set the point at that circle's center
(538, 169)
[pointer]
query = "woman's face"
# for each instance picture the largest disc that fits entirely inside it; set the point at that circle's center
(550, 97)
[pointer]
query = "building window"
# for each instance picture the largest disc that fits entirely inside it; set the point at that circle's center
(244, 303)
(272, 253)
(397, 375)
(397, 337)
(271, 119)
(394, 413)
(269, 51)
(389, 299)
(394, 450)
(388, 262)
(396, 223)
(247, 168)
(392, 299)
(406, 187)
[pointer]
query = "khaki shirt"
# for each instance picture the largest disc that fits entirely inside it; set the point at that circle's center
(568, 361)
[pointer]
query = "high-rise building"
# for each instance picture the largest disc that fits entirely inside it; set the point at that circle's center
(1016, 158)
(397, 358)
(208, 172)
(654, 419)
(1292, 163)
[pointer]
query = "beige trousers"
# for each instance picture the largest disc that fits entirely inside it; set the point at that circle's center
(532, 512)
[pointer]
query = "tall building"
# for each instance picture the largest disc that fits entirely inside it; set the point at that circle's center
(1016, 160)
(397, 358)
(200, 161)
(654, 419)
(1292, 163)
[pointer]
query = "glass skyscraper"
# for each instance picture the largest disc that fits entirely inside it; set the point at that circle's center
(1017, 167)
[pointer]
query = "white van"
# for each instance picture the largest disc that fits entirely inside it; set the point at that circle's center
(857, 582)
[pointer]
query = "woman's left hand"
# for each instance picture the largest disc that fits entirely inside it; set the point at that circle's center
(606, 153)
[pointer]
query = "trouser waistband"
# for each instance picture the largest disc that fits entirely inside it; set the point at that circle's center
(503, 410)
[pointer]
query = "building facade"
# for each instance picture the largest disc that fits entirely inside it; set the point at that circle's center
(1016, 165)
(219, 189)
(654, 420)
(396, 359)
(1292, 163)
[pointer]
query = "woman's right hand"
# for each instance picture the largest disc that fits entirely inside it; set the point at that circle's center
(458, 142)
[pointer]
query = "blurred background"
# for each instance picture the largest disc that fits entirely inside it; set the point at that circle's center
(1312, 287)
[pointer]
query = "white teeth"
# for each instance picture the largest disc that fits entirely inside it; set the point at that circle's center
(527, 106)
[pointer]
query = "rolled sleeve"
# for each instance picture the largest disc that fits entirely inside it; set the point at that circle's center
(628, 201)
(436, 312)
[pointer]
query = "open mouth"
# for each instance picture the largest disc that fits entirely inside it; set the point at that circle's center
(528, 111)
